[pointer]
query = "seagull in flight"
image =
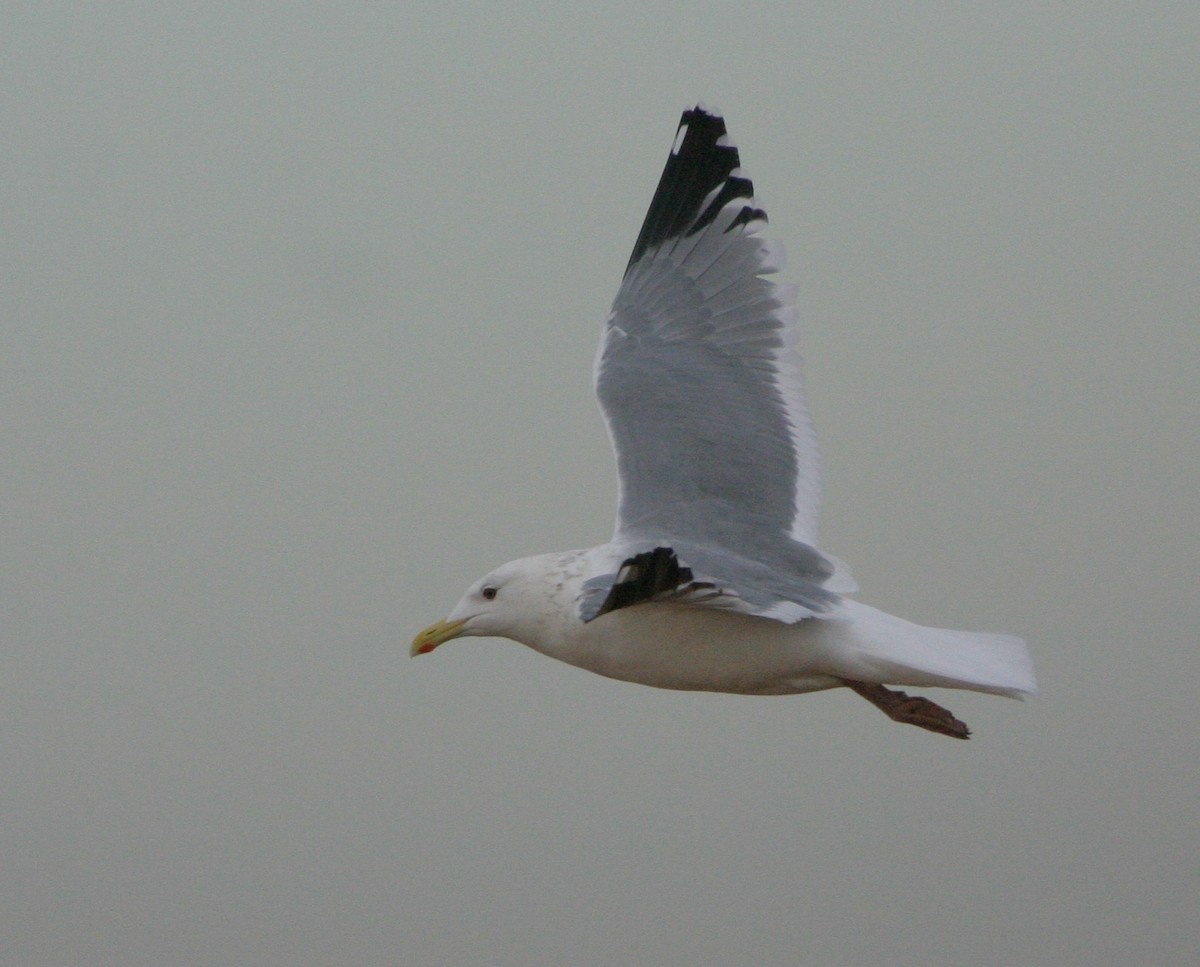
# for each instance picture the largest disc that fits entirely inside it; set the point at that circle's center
(712, 580)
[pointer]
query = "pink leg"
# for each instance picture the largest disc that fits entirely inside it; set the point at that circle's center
(914, 710)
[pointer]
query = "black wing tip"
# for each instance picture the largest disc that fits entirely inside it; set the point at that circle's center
(703, 159)
(704, 125)
(645, 577)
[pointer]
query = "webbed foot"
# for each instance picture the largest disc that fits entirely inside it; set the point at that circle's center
(914, 710)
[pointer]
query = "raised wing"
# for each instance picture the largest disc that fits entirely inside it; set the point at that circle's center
(699, 380)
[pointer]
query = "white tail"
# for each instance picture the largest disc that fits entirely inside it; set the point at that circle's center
(891, 651)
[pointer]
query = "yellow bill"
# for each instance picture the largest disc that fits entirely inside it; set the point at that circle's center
(436, 634)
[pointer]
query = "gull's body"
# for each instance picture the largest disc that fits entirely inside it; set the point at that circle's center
(712, 580)
(678, 645)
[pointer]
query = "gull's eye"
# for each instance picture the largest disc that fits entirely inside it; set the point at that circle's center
(488, 593)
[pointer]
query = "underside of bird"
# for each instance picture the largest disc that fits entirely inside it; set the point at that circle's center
(915, 710)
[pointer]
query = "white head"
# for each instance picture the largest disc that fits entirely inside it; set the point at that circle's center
(520, 600)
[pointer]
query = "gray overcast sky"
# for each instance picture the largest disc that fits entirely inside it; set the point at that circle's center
(299, 304)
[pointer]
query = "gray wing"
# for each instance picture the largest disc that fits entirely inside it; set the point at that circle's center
(700, 385)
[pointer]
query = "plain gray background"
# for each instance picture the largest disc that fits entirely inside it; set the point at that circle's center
(299, 305)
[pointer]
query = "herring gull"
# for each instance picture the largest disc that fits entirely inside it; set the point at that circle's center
(712, 580)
